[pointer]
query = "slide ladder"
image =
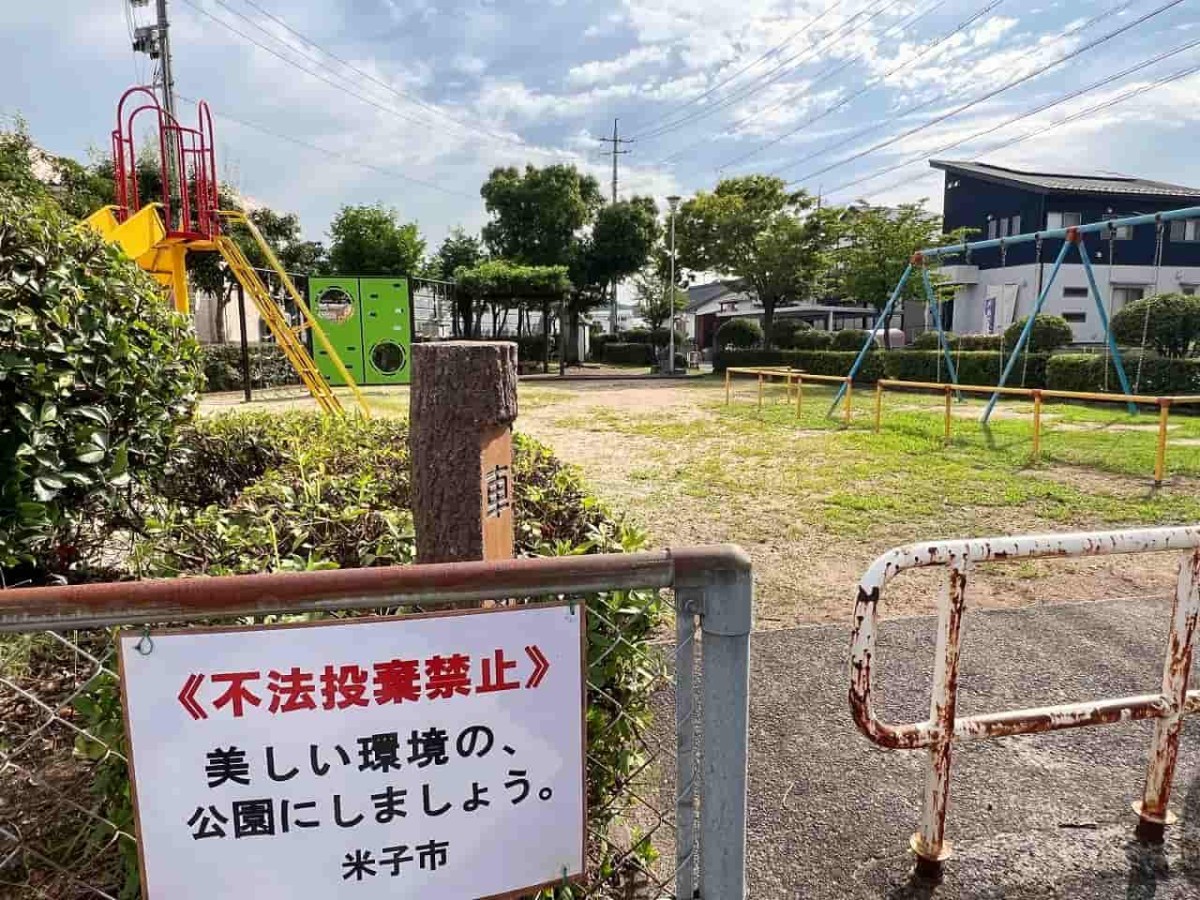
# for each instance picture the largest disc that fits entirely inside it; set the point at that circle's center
(288, 337)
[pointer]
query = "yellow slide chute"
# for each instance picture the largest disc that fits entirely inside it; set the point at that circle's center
(144, 239)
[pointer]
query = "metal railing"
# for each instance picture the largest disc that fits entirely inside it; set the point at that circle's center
(944, 728)
(1037, 395)
(791, 377)
(56, 841)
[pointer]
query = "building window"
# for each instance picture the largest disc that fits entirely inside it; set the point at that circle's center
(1004, 228)
(1185, 230)
(1123, 233)
(1075, 293)
(1075, 318)
(1188, 290)
(1014, 225)
(1123, 295)
(992, 225)
(1055, 220)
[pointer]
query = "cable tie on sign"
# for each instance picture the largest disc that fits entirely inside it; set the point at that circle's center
(145, 644)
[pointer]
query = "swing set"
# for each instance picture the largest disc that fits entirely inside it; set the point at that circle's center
(1072, 237)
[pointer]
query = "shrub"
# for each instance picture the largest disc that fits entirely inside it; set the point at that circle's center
(812, 339)
(1049, 334)
(849, 339)
(336, 493)
(739, 333)
(928, 340)
(990, 342)
(269, 367)
(96, 372)
(814, 362)
(596, 344)
(530, 347)
(1170, 323)
(634, 336)
(785, 331)
(974, 367)
(1159, 374)
(660, 337)
(629, 354)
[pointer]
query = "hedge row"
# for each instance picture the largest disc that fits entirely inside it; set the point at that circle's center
(268, 367)
(1159, 375)
(976, 367)
(1060, 371)
(629, 354)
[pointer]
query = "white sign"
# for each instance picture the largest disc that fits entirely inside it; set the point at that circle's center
(435, 757)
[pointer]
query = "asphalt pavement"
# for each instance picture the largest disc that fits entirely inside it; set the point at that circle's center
(1037, 816)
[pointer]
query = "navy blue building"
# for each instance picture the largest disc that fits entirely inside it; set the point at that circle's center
(995, 288)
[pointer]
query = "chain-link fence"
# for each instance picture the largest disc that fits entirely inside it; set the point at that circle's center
(66, 818)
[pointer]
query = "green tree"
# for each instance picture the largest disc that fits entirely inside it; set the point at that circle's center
(371, 240)
(621, 242)
(536, 217)
(555, 216)
(654, 297)
(459, 250)
(1170, 323)
(753, 228)
(881, 243)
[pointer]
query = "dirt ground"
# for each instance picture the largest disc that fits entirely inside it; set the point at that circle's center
(805, 573)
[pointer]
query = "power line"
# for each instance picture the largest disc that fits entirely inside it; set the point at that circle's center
(849, 98)
(771, 76)
(391, 173)
(411, 98)
(1133, 92)
(932, 101)
(1071, 95)
(318, 75)
(746, 68)
(992, 93)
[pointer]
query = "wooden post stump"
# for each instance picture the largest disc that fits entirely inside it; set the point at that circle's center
(464, 401)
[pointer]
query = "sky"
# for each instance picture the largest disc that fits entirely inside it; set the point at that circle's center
(411, 103)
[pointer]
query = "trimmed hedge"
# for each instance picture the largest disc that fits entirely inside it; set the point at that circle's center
(741, 333)
(269, 367)
(977, 367)
(849, 339)
(812, 339)
(927, 340)
(629, 354)
(1049, 333)
(1160, 374)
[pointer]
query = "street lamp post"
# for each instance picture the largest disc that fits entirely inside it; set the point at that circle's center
(673, 203)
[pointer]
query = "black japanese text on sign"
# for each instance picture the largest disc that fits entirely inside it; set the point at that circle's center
(370, 758)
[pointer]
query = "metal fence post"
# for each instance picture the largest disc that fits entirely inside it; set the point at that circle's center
(688, 600)
(928, 843)
(725, 661)
(1153, 815)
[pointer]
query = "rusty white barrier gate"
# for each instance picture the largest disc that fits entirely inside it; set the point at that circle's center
(71, 847)
(944, 729)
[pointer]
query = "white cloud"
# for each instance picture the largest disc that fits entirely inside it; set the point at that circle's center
(599, 71)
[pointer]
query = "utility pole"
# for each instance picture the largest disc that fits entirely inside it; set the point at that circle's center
(616, 141)
(154, 40)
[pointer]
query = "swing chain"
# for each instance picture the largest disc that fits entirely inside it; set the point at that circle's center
(1158, 253)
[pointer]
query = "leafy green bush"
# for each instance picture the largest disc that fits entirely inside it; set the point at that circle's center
(1170, 323)
(96, 372)
(739, 333)
(813, 339)
(634, 336)
(849, 339)
(784, 332)
(928, 340)
(596, 344)
(269, 367)
(660, 337)
(531, 347)
(335, 492)
(990, 342)
(814, 362)
(1160, 375)
(1049, 333)
(974, 367)
(629, 354)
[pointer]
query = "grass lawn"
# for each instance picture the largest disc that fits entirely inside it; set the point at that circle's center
(814, 502)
